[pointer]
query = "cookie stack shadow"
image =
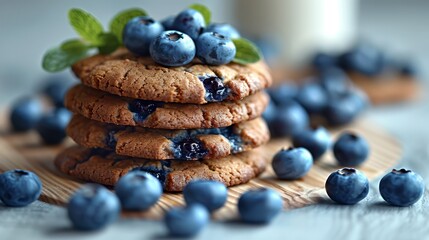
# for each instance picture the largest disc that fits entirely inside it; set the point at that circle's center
(179, 124)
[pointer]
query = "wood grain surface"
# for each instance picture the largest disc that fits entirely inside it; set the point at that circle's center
(26, 152)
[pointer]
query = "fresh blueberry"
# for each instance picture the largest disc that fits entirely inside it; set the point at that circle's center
(292, 163)
(172, 48)
(210, 194)
(190, 22)
(52, 127)
(168, 23)
(402, 187)
(347, 186)
(56, 90)
(25, 113)
(18, 188)
(270, 113)
(259, 206)
(334, 81)
(93, 207)
(312, 97)
(138, 190)
(141, 109)
(139, 33)
(322, 61)
(316, 141)
(291, 119)
(365, 59)
(224, 29)
(186, 221)
(343, 109)
(408, 68)
(283, 93)
(351, 150)
(216, 91)
(189, 148)
(215, 49)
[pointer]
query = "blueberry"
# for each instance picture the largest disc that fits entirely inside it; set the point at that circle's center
(168, 23)
(402, 187)
(224, 29)
(52, 127)
(215, 49)
(347, 186)
(172, 48)
(259, 206)
(56, 91)
(291, 119)
(292, 163)
(312, 97)
(190, 22)
(93, 207)
(159, 173)
(351, 150)
(186, 221)
(323, 61)
(343, 109)
(270, 112)
(216, 91)
(189, 148)
(25, 113)
(364, 59)
(141, 109)
(139, 33)
(210, 194)
(283, 93)
(408, 68)
(18, 188)
(316, 141)
(138, 190)
(334, 81)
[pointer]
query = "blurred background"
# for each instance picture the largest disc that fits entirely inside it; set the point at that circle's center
(292, 29)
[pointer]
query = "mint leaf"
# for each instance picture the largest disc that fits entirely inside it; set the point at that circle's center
(108, 43)
(57, 59)
(204, 11)
(86, 25)
(74, 45)
(246, 52)
(119, 21)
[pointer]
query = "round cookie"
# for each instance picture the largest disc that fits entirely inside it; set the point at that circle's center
(125, 74)
(169, 144)
(106, 168)
(104, 107)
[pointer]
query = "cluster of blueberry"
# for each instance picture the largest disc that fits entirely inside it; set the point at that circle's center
(365, 59)
(178, 39)
(139, 190)
(29, 113)
(330, 96)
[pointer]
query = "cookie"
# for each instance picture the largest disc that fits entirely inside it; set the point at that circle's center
(105, 107)
(124, 74)
(106, 168)
(169, 144)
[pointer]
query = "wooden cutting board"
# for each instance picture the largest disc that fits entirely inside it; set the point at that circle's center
(26, 152)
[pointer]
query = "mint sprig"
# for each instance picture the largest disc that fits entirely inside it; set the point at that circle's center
(58, 59)
(204, 11)
(246, 51)
(86, 25)
(119, 21)
(74, 45)
(109, 43)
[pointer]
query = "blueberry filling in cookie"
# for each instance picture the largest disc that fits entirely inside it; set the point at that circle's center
(215, 88)
(159, 172)
(142, 109)
(189, 148)
(234, 139)
(111, 139)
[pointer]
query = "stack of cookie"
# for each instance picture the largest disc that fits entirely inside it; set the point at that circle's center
(179, 124)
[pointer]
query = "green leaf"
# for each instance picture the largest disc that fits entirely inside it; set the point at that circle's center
(204, 11)
(57, 59)
(109, 43)
(74, 45)
(246, 52)
(86, 25)
(119, 21)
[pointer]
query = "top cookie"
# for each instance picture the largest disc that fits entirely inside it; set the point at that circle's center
(125, 74)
